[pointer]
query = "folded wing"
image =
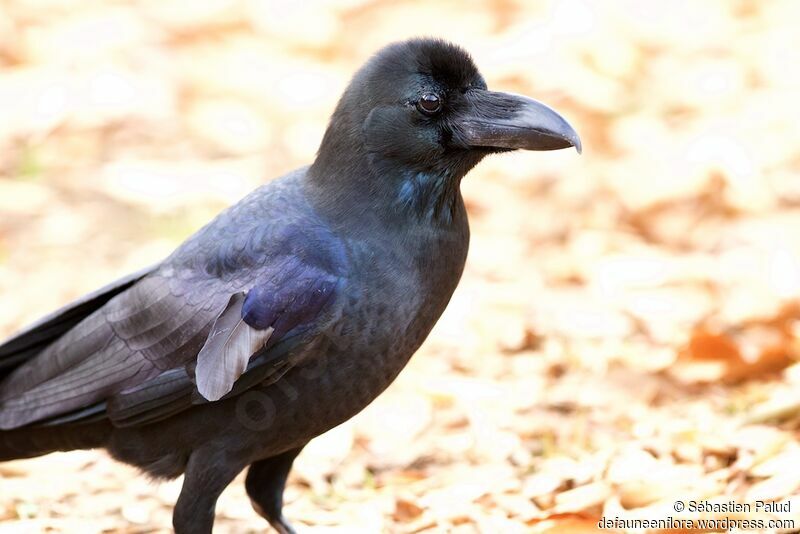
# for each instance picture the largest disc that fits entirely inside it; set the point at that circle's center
(148, 350)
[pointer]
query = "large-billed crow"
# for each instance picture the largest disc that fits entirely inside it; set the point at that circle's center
(289, 312)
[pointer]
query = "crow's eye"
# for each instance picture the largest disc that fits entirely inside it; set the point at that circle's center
(429, 104)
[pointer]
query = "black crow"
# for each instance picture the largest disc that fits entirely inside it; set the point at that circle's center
(289, 312)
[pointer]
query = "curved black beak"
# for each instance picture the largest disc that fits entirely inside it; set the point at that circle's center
(507, 121)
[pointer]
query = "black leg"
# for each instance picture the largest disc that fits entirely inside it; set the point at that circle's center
(265, 482)
(206, 476)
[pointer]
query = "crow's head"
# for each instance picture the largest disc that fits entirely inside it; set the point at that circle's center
(421, 106)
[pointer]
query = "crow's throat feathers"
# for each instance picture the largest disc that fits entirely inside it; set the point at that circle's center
(432, 197)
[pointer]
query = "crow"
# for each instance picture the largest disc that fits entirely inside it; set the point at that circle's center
(289, 312)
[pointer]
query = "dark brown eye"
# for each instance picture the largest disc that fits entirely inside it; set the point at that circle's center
(429, 104)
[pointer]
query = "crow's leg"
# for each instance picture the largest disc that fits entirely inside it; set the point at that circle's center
(207, 475)
(265, 482)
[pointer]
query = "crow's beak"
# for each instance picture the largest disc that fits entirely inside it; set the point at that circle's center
(508, 121)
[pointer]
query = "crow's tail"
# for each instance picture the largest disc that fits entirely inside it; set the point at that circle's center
(36, 441)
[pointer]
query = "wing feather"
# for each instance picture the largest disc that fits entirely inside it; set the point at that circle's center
(97, 359)
(184, 333)
(225, 355)
(31, 340)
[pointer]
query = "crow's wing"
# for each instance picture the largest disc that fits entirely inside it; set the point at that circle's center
(259, 335)
(134, 358)
(152, 326)
(33, 339)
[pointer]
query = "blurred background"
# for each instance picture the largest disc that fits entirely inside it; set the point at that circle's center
(626, 331)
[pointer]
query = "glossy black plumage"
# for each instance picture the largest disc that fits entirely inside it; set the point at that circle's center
(289, 312)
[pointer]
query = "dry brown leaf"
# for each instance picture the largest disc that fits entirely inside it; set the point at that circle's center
(406, 510)
(753, 353)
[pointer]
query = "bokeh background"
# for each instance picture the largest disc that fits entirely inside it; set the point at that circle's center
(626, 330)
